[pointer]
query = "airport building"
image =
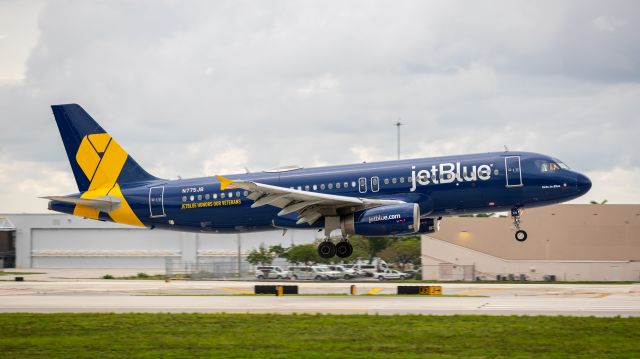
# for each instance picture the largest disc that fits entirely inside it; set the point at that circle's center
(568, 242)
(64, 241)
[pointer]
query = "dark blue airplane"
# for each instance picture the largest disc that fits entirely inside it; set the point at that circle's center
(393, 198)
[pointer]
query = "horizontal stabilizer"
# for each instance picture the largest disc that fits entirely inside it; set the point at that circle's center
(103, 204)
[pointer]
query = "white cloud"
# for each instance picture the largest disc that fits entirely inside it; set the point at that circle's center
(608, 23)
(319, 85)
(213, 87)
(231, 160)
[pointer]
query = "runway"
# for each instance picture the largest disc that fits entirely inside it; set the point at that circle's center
(329, 297)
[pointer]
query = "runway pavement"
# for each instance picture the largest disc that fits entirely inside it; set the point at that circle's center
(228, 296)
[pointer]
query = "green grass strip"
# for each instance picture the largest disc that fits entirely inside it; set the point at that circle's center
(314, 336)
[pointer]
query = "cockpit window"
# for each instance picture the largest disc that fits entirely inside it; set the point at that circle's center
(561, 164)
(550, 166)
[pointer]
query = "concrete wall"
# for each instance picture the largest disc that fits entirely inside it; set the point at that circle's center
(63, 241)
(574, 232)
(436, 252)
(573, 242)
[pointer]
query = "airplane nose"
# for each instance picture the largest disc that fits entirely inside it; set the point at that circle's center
(583, 183)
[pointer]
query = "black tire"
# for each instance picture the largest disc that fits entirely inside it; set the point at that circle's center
(521, 236)
(294, 277)
(260, 277)
(401, 277)
(344, 249)
(317, 277)
(327, 249)
(381, 278)
(279, 277)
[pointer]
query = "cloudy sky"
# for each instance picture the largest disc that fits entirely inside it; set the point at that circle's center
(200, 88)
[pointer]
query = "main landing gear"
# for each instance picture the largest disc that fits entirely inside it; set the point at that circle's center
(521, 235)
(327, 249)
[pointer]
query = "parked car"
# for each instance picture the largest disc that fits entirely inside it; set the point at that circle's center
(412, 272)
(365, 269)
(312, 272)
(271, 272)
(386, 274)
(346, 273)
(401, 275)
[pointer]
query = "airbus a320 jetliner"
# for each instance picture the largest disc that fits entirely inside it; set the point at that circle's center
(393, 198)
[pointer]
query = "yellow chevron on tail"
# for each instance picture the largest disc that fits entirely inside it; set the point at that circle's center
(101, 159)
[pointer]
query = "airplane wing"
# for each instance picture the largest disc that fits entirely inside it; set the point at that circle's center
(310, 206)
(103, 204)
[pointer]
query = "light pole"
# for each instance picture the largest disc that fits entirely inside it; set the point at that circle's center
(398, 124)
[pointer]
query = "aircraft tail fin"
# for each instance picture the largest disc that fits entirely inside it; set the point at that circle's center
(96, 159)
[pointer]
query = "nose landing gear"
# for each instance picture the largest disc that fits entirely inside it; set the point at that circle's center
(520, 235)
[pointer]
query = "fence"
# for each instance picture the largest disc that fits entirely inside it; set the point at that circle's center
(206, 268)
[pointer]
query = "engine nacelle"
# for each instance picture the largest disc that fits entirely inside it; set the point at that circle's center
(391, 220)
(429, 225)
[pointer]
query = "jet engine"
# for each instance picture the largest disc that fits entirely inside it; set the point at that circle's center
(391, 220)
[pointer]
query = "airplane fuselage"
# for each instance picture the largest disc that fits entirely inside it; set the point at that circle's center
(441, 186)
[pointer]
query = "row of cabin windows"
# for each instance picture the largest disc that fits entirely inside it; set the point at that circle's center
(339, 185)
(208, 196)
(322, 187)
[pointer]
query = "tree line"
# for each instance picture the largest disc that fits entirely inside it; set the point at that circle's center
(397, 250)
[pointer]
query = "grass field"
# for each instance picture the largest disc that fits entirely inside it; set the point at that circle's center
(314, 336)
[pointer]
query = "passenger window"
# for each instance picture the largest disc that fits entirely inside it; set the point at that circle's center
(401, 179)
(230, 194)
(338, 185)
(394, 180)
(215, 195)
(330, 185)
(306, 188)
(237, 193)
(191, 198)
(299, 188)
(206, 196)
(322, 186)
(386, 181)
(222, 195)
(315, 187)
(346, 185)
(246, 193)
(353, 184)
(184, 198)
(199, 197)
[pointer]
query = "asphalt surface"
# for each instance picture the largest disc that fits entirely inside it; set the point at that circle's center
(93, 295)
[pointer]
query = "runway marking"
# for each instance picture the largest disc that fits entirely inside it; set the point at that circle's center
(375, 291)
(238, 290)
(476, 291)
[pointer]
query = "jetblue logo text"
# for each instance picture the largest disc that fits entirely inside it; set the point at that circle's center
(449, 173)
(386, 217)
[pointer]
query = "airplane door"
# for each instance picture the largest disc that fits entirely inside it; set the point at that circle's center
(156, 201)
(513, 171)
(375, 184)
(362, 185)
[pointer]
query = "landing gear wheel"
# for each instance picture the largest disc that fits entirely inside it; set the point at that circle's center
(521, 235)
(344, 249)
(327, 249)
